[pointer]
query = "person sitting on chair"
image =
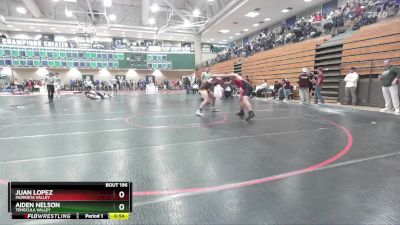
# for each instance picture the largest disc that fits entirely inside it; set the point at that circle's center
(277, 86)
(261, 88)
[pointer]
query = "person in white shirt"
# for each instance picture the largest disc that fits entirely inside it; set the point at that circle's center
(261, 88)
(351, 80)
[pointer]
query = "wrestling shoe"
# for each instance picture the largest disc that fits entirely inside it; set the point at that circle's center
(241, 113)
(198, 112)
(251, 115)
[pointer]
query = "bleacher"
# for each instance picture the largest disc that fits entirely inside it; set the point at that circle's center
(224, 67)
(282, 62)
(367, 48)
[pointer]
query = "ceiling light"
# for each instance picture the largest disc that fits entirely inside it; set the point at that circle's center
(56, 0)
(224, 40)
(230, 37)
(2, 18)
(31, 27)
(152, 21)
(267, 19)
(256, 25)
(208, 41)
(107, 3)
(123, 32)
(252, 14)
(212, 39)
(196, 13)
(17, 29)
(307, 0)
(52, 28)
(237, 34)
(224, 31)
(21, 10)
(112, 17)
(58, 32)
(187, 23)
(38, 31)
(287, 10)
(68, 13)
(155, 8)
(9, 25)
(72, 29)
(69, 0)
(245, 30)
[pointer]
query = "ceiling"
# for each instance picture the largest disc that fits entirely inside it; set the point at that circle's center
(91, 17)
(51, 17)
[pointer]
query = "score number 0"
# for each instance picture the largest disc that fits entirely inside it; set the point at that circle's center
(121, 194)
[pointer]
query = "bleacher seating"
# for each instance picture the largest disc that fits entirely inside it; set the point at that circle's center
(224, 67)
(282, 62)
(367, 48)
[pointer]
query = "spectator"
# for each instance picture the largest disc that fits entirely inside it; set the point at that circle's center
(304, 84)
(318, 17)
(186, 84)
(277, 87)
(195, 88)
(358, 12)
(337, 21)
(228, 92)
(261, 88)
(318, 86)
(287, 89)
(351, 86)
(346, 11)
(390, 89)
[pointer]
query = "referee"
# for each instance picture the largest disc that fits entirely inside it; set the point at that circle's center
(50, 85)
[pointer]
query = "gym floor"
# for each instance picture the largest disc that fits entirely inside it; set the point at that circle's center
(292, 164)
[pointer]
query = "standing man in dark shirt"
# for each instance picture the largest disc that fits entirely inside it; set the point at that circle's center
(390, 88)
(50, 85)
(318, 86)
(304, 85)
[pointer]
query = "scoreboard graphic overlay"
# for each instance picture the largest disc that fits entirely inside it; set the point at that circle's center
(70, 200)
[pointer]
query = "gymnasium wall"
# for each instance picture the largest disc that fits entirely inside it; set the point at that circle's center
(104, 74)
